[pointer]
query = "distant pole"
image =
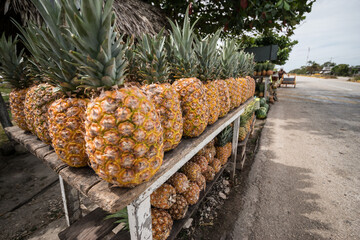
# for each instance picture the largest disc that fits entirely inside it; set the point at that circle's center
(307, 57)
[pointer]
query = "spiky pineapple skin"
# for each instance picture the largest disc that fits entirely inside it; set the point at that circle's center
(212, 95)
(224, 97)
(17, 103)
(201, 161)
(124, 137)
(195, 110)
(37, 101)
(67, 130)
(201, 182)
(216, 165)
(161, 224)
(243, 87)
(242, 133)
(234, 92)
(192, 194)
(179, 209)
(222, 154)
(180, 182)
(209, 174)
(163, 197)
(167, 104)
(191, 170)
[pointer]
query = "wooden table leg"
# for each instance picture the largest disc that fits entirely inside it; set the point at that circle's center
(71, 201)
(234, 147)
(140, 220)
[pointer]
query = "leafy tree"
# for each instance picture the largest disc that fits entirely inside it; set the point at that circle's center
(328, 64)
(238, 16)
(269, 38)
(313, 67)
(341, 70)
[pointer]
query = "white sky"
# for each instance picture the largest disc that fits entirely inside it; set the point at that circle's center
(331, 31)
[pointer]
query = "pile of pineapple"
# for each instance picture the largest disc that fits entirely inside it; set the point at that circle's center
(117, 104)
(171, 200)
(264, 69)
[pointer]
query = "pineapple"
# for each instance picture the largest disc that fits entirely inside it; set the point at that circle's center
(37, 101)
(194, 105)
(66, 115)
(191, 170)
(13, 71)
(216, 165)
(154, 71)
(223, 148)
(179, 209)
(123, 133)
(209, 174)
(161, 224)
(201, 161)
(229, 69)
(192, 194)
(243, 87)
(242, 133)
(205, 50)
(163, 197)
(201, 182)
(224, 97)
(180, 182)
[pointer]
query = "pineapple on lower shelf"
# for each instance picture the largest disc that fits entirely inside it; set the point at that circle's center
(216, 165)
(179, 209)
(201, 182)
(192, 194)
(223, 145)
(191, 170)
(180, 182)
(242, 133)
(209, 174)
(163, 197)
(161, 224)
(201, 161)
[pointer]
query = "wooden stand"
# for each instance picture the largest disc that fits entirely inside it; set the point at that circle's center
(242, 146)
(137, 200)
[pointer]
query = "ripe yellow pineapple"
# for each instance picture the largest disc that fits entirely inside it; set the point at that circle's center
(124, 137)
(67, 128)
(195, 110)
(153, 69)
(243, 84)
(224, 97)
(161, 224)
(180, 182)
(179, 209)
(13, 71)
(123, 133)
(37, 101)
(234, 92)
(212, 95)
(192, 194)
(163, 197)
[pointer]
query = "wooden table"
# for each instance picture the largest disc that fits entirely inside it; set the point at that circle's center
(113, 199)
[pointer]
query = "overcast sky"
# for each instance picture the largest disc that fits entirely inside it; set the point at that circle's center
(331, 31)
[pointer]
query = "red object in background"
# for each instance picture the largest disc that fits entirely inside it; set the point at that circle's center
(190, 8)
(226, 27)
(243, 4)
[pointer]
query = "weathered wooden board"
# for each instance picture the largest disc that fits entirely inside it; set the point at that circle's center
(91, 227)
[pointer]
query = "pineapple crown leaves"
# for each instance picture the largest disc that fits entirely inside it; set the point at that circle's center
(225, 136)
(100, 53)
(152, 55)
(205, 50)
(123, 217)
(13, 63)
(181, 48)
(49, 45)
(228, 58)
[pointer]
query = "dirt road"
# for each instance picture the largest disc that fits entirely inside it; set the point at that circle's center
(305, 181)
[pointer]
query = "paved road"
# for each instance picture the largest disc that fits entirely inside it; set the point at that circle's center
(305, 180)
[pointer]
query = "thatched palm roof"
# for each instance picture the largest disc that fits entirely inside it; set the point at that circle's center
(134, 17)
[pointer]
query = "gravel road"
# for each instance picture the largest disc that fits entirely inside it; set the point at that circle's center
(305, 180)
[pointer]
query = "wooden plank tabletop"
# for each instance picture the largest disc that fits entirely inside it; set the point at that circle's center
(113, 199)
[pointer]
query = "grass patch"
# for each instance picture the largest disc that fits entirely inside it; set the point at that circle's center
(5, 93)
(355, 79)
